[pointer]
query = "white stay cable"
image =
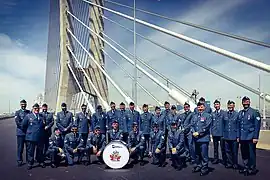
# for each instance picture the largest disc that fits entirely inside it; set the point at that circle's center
(104, 103)
(126, 97)
(172, 92)
(89, 105)
(131, 77)
(237, 57)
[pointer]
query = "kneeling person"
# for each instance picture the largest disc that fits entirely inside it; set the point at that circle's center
(136, 144)
(55, 150)
(95, 144)
(176, 140)
(157, 146)
(73, 145)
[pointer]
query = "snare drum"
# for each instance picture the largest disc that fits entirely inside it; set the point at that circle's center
(116, 154)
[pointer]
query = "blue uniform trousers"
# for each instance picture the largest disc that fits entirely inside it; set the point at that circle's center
(20, 148)
(202, 158)
(216, 141)
(189, 146)
(231, 147)
(138, 153)
(31, 148)
(248, 151)
(159, 158)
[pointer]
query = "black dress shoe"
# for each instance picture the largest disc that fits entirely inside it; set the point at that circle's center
(29, 167)
(253, 172)
(235, 166)
(42, 165)
(20, 163)
(53, 165)
(216, 161)
(228, 166)
(87, 163)
(196, 169)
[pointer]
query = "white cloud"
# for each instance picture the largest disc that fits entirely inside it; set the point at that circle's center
(22, 73)
(189, 76)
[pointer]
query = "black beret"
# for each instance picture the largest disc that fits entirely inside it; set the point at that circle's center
(216, 101)
(166, 102)
(157, 108)
(63, 105)
(202, 99)
(112, 103)
(173, 107)
(36, 105)
(83, 105)
(145, 105)
(23, 101)
(44, 105)
(122, 104)
(199, 104)
(131, 104)
(186, 104)
(245, 98)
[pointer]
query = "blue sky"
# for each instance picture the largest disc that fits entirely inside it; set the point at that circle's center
(23, 45)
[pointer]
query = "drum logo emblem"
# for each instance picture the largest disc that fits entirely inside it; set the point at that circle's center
(115, 156)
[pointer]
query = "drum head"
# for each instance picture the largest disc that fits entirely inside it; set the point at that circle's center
(116, 155)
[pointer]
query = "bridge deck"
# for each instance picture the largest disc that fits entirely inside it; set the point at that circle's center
(8, 169)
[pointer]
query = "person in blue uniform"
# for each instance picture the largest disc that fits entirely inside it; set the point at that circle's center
(83, 121)
(249, 130)
(157, 146)
(146, 121)
(176, 139)
(166, 116)
(56, 148)
(207, 107)
(200, 129)
(115, 133)
(73, 145)
(49, 122)
(96, 143)
(64, 120)
(111, 115)
(33, 124)
(132, 116)
(99, 118)
(136, 144)
(173, 116)
(19, 116)
(217, 133)
(231, 135)
(157, 118)
(122, 120)
(185, 122)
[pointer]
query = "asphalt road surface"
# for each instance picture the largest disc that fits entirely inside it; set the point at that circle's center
(10, 171)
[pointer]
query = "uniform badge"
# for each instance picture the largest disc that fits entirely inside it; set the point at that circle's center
(202, 118)
(162, 137)
(258, 118)
(249, 117)
(142, 137)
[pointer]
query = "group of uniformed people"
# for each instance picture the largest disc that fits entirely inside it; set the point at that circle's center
(186, 136)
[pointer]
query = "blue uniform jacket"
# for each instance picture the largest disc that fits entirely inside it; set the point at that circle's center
(132, 116)
(33, 125)
(186, 121)
(19, 116)
(217, 123)
(111, 116)
(98, 141)
(166, 115)
(250, 124)
(99, 118)
(64, 120)
(73, 141)
(136, 139)
(157, 140)
(122, 120)
(146, 121)
(231, 126)
(201, 123)
(83, 122)
(115, 135)
(56, 142)
(49, 121)
(176, 140)
(159, 119)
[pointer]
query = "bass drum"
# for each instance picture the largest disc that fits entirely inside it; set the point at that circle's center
(116, 154)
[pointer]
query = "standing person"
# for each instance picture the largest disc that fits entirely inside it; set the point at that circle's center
(207, 107)
(33, 125)
(64, 120)
(122, 120)
(201, 124)
(83, 121)
(99, 118)
(132, 115)
(159, 119)
(146, 121)
(249, 130)
(19, 116)
(217, 133)
(231, 135)
(111, 115)
(49, 121)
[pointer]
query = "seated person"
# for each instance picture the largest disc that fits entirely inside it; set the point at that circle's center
(136, 144)
(95, 144)
(157, 146)
(73, 145)
(115, 133)
(177, 146)
(55, 150)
